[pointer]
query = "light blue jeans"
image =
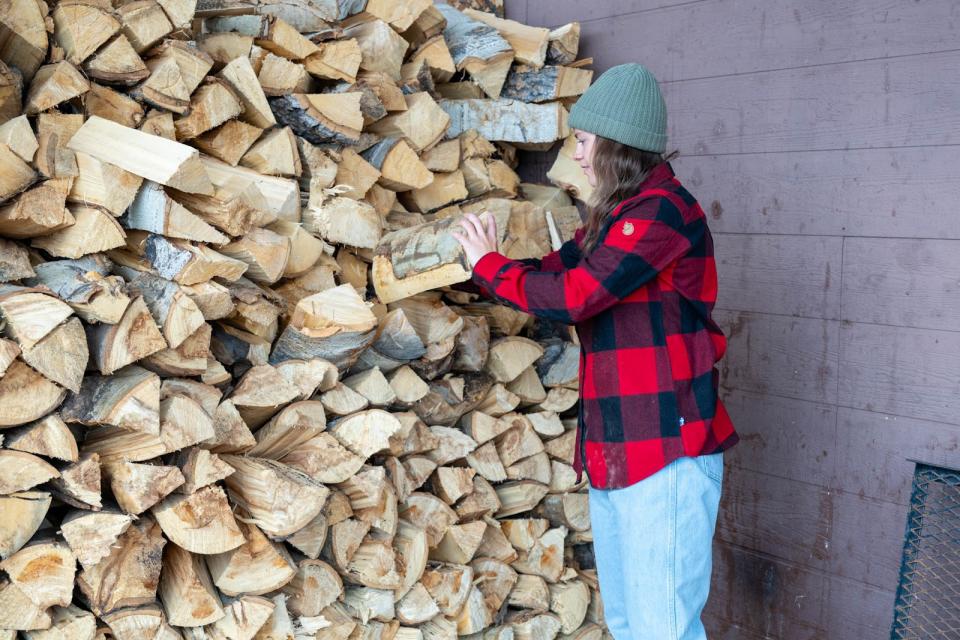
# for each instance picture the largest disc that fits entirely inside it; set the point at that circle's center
(653, 546)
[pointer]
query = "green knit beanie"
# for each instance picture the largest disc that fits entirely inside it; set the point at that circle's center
(625, 105)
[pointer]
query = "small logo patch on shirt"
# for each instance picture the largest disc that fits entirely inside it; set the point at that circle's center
(628, 228)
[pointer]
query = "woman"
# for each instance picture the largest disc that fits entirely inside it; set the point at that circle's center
(639, 282)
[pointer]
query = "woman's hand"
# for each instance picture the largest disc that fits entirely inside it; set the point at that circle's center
(477, 235)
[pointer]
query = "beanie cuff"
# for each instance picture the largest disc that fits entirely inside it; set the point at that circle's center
(629, 134)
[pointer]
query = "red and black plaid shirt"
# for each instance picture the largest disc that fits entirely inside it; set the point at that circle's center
(641, 302)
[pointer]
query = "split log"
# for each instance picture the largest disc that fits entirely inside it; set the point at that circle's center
(417, 606)
(26, 396)
(79, 484)
(290, 429)
(569, 601)
(335, 325)
(17, 175)
(53, 84)
(86, 286)
(324, 459)
(511, 356)
(529, 43)
(400, 168)
(532, 625)
(344, 220)
(564, 44)
(422, 124)
(11, 88)
(186, 590)
(449, 586)
(545, 558)
(112, 105)
(134, 337)
(103, 185)
(200, 468)
(154, 158)
(280, 196)
(43, 571)
(264, 252)
(477, 48)
(336, 60)
(48, 437)
(138, 623)
(210, 106)
(315, 587)
(117, 63)
(321, 118)
(21, 515)
(67, 622)
(278, 76)
(508, 120)
(144, 23)
(261, 393)
(19, 137)
(129, 574)
(54, 131)
(137, 487)
(430, 513)
(567, 173)
(275, 154)
(93, 231)
(256, 567)
(178, 260)
(530, 592)
(546, 84)
(18, 612)
(279, 498)
(201, 522)
(409, 261)
(61, 355)
(23, 36)
(38, 211)
(243, 618)
(519, 497)
(14, 262)
(382, 47)
(129, 399)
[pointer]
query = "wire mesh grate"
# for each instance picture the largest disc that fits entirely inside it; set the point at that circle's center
(928, 595)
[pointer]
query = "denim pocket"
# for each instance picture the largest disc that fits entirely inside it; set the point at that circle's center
(712, 466)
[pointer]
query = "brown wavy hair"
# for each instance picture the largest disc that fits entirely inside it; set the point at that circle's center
(620, 170)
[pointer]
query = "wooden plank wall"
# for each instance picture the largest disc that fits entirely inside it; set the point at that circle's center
(823, 140)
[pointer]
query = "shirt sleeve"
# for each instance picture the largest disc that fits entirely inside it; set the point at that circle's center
(644, 239)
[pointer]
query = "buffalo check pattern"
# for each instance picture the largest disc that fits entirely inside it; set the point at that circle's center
(641, 301)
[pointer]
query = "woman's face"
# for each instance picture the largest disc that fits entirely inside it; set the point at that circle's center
(584, 154)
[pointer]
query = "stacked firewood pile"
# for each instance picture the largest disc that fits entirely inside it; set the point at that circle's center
(239, 396)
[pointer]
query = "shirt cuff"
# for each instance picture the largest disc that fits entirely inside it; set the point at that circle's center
(488, 266)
